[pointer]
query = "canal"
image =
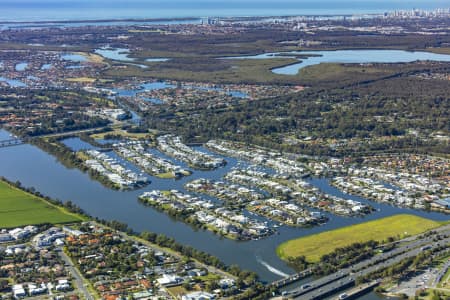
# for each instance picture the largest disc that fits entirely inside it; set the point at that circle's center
(35, 168)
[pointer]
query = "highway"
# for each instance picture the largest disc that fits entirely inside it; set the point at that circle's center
(301, 275)
(68, 133)
(292, 278)
(344, 278)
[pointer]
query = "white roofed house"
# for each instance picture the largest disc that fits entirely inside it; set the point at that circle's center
(198, 296)
(18, 291)
(19, 233)
(219, 223)
(168, 279)
(5, 237)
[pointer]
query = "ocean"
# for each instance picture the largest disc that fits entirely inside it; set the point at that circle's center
(76, 10)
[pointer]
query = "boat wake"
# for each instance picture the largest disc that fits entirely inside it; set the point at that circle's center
(271, 269)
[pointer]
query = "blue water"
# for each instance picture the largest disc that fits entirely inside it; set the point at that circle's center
(145, 87)
(115, 54)
(122, 54)
(237, 94)
(138, 65)
(156, 59)
(27, 164)
(32, 10)
(162, 85)
(73, 57)
(346, 56)
(76, 144)
(21, 66)
(13, 82)
(359, 56)
(25, 24)
(46, 67)
(153, 100)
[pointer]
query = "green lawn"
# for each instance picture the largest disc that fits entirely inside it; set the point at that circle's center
(313, 247)
(177, 291)
(18, 208)
(168, 175)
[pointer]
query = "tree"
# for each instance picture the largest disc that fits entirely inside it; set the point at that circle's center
(187, 286)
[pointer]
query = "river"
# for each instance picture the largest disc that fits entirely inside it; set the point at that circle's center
(310, 58)
(35, 168)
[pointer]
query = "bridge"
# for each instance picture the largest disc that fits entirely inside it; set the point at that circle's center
(11, 142)
(292, 278)
(359, 290)
(19, 141)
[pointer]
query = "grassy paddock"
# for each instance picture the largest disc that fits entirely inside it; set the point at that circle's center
(177, 291)
(439, 50)
(313, 247)
(122, 133)
(92, 57)
(82, 79)
(167, 175)
(18, 208)
(234, 71)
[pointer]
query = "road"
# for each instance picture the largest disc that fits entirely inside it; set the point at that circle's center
(155, 248)
(344, 278)
(298, 276)
(67, 133)
(79, 280)
(349, 278)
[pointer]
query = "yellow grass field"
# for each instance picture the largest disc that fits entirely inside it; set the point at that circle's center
(313, 247)
(81, 79)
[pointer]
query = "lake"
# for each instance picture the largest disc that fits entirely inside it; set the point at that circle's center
(157, 85)
(73, 57)
(345, 56)
(160, 59)
(122, 54)
(46, 66)
(115, 54)
(35, 168)
(13, 82)
(21, 66)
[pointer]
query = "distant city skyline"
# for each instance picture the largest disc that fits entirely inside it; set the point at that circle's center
(37, 10)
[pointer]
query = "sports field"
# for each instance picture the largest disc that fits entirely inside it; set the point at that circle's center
(18, 208)
(313, 247)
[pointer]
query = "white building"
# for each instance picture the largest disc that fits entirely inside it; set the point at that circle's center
(198, 296)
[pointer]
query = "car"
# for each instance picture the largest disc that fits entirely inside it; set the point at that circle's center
(343, 296)
(306, 286)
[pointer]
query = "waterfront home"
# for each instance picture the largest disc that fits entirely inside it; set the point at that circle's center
(443, 204)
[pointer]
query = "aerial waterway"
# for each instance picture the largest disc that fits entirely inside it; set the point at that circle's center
(35, 168)
(362, 56)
